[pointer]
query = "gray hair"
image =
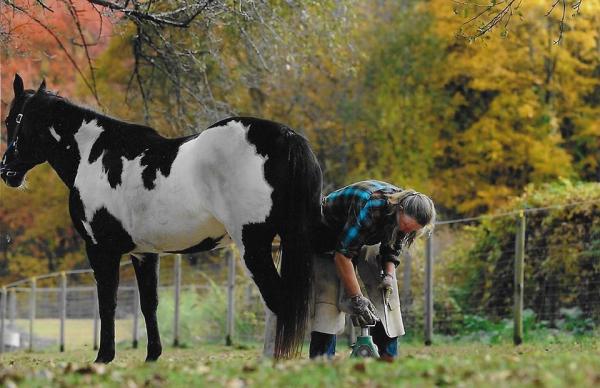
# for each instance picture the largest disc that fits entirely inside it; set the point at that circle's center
(415, 205)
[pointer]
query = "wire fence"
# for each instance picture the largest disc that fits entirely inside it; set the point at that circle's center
(475, 288)
(464, 280)
(61, 309)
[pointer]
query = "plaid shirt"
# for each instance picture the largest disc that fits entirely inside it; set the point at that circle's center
(360, 215)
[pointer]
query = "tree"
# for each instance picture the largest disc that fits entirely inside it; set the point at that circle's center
(510, 96)
(39, 226)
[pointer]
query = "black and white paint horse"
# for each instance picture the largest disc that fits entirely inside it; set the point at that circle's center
(134, 192)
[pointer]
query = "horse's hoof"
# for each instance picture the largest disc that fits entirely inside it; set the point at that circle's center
(104, 358)
(154, 353)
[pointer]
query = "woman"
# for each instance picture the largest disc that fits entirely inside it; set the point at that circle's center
(366, 224)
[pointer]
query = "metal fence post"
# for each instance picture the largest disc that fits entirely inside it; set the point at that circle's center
(519, 279)
(429, 290)
(230, 297)
(32, 297)
(63, 309)
(136, 313)
(96, 317)
(177, 278)
(3, 316)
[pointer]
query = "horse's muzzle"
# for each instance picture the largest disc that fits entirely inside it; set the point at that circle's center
(12, 177)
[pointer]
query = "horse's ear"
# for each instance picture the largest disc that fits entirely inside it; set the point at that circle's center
(18, 85)
(42, 87)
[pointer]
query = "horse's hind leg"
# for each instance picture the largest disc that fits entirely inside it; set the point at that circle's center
(257, 240)
(146, 273)
(106, 272)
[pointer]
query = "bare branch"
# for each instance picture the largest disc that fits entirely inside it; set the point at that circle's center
(503, 11)
(507, 9)
(180, 17)
(75, 17)
(60, 45)
(43, 5)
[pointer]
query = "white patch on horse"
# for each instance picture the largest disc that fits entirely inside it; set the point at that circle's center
(86, 136)
(88, 229)
(233, 175)
(174, 215)
(55, 135)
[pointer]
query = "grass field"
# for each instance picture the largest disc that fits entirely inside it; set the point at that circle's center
(78, 332)
(575, 364)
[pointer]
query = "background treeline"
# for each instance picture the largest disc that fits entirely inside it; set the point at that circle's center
(383, 89)
(474, 268)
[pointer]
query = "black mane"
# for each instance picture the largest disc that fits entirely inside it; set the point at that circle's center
(109, 123)
(118, 140)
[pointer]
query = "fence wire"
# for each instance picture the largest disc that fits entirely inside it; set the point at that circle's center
(472, 289)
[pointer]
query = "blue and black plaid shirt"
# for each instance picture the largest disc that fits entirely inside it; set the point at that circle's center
(361, 215)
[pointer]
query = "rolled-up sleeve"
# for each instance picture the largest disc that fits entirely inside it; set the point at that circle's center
(390, 252)
(360, 219)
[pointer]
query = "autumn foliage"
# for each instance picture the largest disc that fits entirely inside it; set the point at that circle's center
(388, 91)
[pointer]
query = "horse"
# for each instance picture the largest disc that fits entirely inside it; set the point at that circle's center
(134, 192)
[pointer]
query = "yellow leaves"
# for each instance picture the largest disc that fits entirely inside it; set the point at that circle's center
(526, 111)
(549, 164)
(487, 196)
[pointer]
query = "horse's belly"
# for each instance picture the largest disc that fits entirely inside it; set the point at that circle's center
(177, 231)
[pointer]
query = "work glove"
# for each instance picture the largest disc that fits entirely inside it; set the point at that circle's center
(361, 310)
(386, 287)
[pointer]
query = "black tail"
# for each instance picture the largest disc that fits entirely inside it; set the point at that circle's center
(303, 212)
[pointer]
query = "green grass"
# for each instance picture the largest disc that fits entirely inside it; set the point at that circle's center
(78, 332)
(575, 364)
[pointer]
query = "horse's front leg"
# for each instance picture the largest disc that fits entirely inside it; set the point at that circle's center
(146, 272)
(106, 272)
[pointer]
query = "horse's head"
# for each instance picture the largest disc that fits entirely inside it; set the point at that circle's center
(28, 126)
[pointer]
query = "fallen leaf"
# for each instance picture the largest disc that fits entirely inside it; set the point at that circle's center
(131, 384)
(70, 367)
(44, 374)
(235, 383)
(10, 384)
(92, 369)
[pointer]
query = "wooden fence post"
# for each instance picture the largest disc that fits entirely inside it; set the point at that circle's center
(519, 279)
(429, 290)
(177, 279)
(270, 317)
(406, 282)
(270, 329)
(12, 307)
(63, 308)
(136, 314)
(96, 317)
(230, 297)
(32, 297)
(3, 303)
